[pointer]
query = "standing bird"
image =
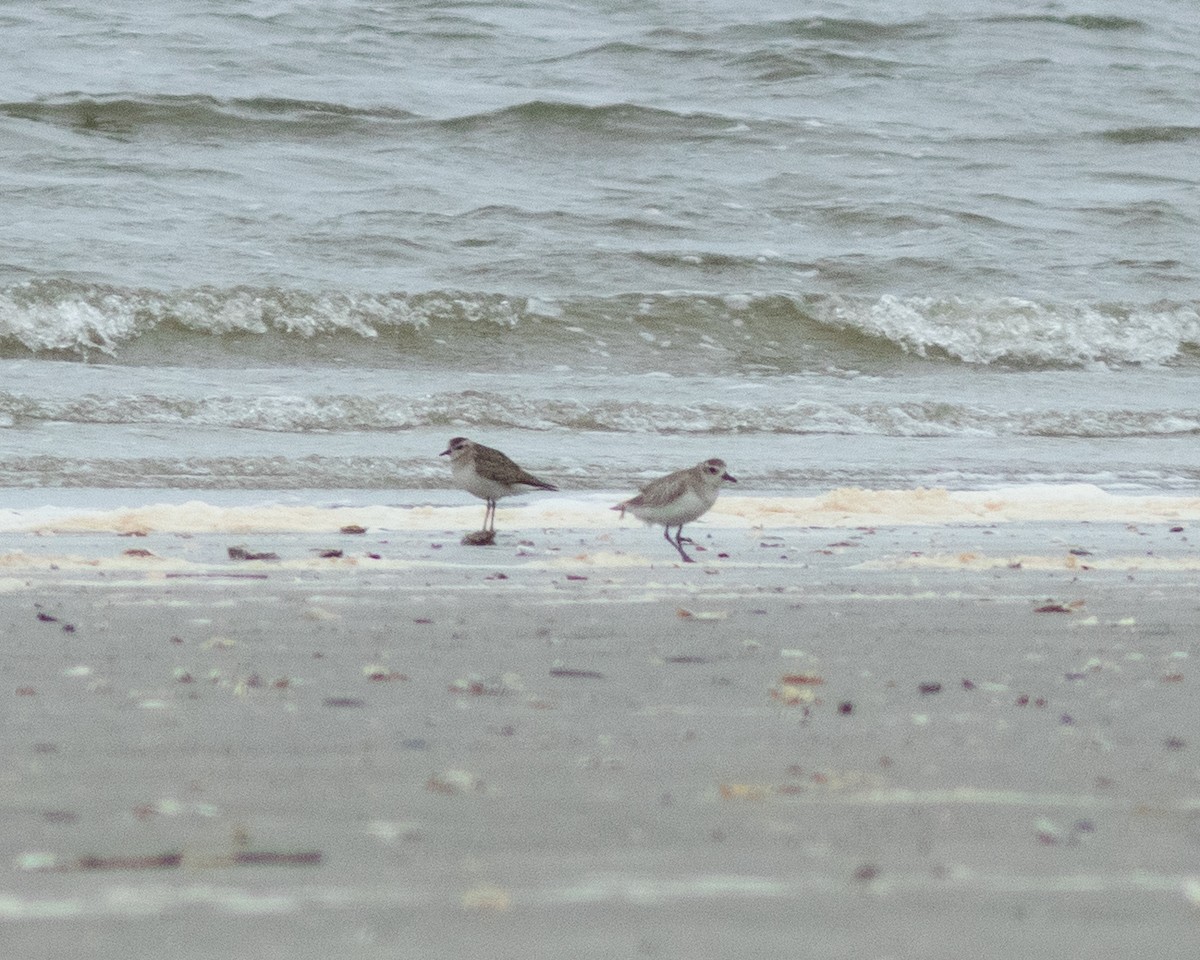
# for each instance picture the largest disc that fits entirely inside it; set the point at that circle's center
(489, 475)
(679, 498)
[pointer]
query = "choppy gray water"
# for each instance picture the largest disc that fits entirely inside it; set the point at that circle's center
(282, 245)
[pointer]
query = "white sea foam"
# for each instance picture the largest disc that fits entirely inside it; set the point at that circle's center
(1021, 331)
(844, 507)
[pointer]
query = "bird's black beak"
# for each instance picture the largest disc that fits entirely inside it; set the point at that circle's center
(445, 453)
(726, 476)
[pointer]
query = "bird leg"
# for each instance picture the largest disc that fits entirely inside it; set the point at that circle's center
(676, 542)
(487, 536)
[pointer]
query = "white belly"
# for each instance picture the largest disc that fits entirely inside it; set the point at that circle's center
(683, 510)
(466, 478)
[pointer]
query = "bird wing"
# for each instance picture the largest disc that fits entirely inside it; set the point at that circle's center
(504, 470)
(660, 492)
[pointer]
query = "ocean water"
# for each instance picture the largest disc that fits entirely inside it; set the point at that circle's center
(295, 247)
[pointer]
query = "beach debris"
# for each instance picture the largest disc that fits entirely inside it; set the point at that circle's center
(866, 873)
(275, 858)
(496, 576)
(1053, 607)
(44, 617)
(170, 807)
(1049, 833)
(929, 688)
(137, 552)
(26, 692)
(352, 528)
(576, 576)
(454, 782)
(795, 689)
(802, 679)
(745, 791)
(479, 538)
(845, 708)
(119, 862)
(332, 553)
(1025, 700)
(476, 686)
(377, 673)
(340, 702)
(241, 553)
(684, 614)
(41, 862)
(685, 658)
(793, 696)
(572, 673)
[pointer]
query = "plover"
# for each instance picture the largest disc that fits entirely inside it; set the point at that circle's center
(679, 498)
(489, 475)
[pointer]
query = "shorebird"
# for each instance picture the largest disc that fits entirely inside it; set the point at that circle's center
(489, 475)
(679, 498)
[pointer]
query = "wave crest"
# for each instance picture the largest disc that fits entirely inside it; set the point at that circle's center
(127, 115)
(725, 333)
(1024, 332)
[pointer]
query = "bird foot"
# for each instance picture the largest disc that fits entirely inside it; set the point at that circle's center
(479, 538)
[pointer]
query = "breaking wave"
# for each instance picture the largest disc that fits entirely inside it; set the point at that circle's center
(752, 332)
(283, 413)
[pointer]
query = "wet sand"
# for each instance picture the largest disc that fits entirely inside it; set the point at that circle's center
(927, 739)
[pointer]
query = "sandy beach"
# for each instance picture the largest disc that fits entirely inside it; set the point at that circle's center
(924, 278)
(925, 735)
